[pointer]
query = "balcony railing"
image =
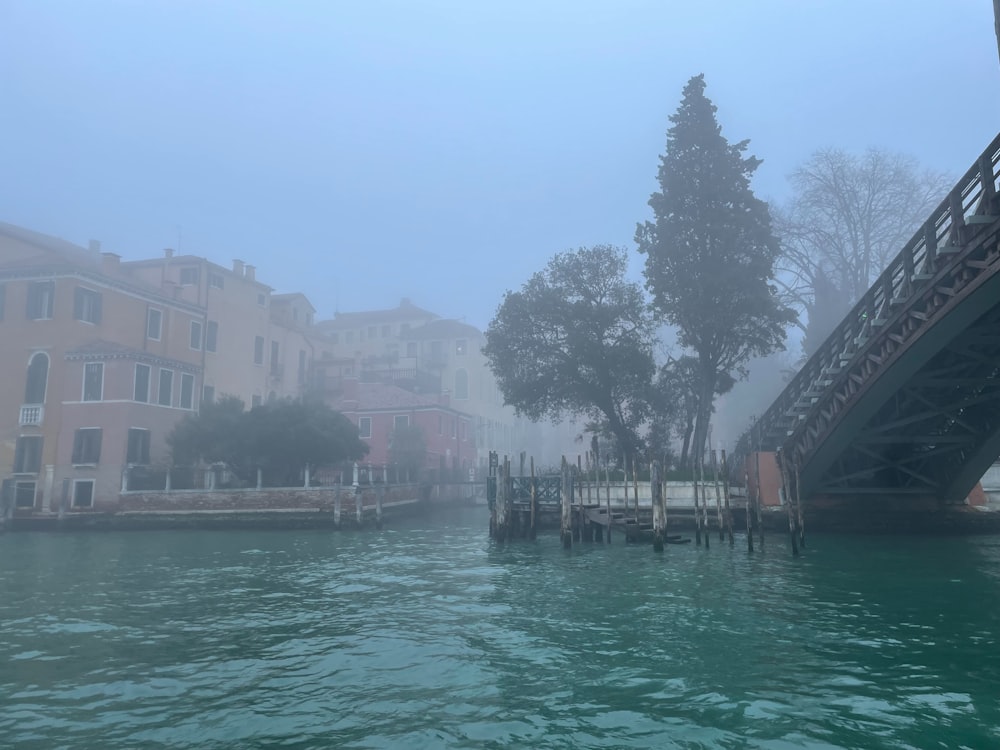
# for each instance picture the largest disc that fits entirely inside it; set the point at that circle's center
(31, 414)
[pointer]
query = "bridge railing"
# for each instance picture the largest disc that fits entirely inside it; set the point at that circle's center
(942, 235)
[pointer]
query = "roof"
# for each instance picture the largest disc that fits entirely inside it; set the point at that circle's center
(442, 329)
(280, 299)
(74, 255)
(406, 310)
(381, 397)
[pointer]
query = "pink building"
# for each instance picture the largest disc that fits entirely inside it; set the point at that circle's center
(378, 409)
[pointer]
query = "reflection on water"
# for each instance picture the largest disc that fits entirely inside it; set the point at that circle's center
(431, 636)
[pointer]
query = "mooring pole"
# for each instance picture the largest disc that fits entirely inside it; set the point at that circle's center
(534, 503)
(725, 495)
(718, 495)
(786, 490)
(336, 506)
(379, 497)
(798, 508)
(704, 498)
(749, 509)
(659, 509)
(607, 488)
(566, 495)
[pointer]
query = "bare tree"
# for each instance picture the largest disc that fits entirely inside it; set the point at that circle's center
(849, 216)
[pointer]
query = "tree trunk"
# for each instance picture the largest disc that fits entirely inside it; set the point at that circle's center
(702, 421)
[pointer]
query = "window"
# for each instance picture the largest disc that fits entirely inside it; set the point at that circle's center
(154, 323)
(86, 305)
(454, 428)
(142, 375)
(211, 336)
(24, 494)
(461, 384)
(386, 331)
(195, 334)
(93, 381)
(295, 313)
(216, 280)
(137, 451)
(302, 366)
(460, 346)
(275, 369)
(207, 394)
(348, 337)
(258, 350)
(189, 276)
(364, 427)
(411, 348)
(400, 421)
(87, 445)
(83, 493)
(40, 296)
(187, 391)
(166, 387)
(371, 332)
(262, 300)
(440, 425)
(28, 454)
(38, 377)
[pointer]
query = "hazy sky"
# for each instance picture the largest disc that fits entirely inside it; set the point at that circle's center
(364, 151)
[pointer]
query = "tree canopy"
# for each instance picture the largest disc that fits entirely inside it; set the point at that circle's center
(280, 438)
(576, 340)
(710, 252)
(849, 216)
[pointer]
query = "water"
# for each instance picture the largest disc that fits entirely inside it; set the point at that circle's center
(429, 636)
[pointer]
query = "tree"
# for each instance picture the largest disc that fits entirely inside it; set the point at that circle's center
(407, 449)
(710, 253)
(850, 215)
(577, 340)
(280, 438)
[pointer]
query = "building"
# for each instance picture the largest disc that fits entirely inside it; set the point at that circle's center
(99, 367)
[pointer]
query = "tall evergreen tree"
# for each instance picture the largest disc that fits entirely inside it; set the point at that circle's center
(710, 253)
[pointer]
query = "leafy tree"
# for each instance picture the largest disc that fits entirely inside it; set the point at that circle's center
(407, 449)
(848, 218)
(215, 434)
(281, 438)
(710, 253)
(576, 340)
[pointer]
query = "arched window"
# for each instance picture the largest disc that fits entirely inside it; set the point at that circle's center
(461, 384)
(38, 377)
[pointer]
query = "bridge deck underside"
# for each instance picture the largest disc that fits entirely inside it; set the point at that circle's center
(921, 440)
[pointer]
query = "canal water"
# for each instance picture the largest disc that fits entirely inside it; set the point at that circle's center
(430, 636)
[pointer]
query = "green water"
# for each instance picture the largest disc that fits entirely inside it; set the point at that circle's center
(429, 636)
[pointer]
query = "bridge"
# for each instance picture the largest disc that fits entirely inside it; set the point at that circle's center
(903, 397)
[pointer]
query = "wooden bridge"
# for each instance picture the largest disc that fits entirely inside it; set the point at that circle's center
(903, 397)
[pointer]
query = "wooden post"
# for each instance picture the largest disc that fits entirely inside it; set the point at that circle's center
(704, 499)
(532, 528)
(749, 510)
(635, 491)
(787, 492)
(725, 495)
(379, 497)
(659, 509)
(336, 506)
(566, 495)
(697, 516)
(798, 508)
(359, 504)
(757, 502)
(718, 495)
(607, 487)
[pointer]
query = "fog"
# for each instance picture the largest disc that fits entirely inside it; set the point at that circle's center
(442, 151)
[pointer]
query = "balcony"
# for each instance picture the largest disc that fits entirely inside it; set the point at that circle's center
(31, 414)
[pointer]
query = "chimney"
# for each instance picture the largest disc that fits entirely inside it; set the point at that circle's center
(250, 272)
(237, 267)
(110, 262)
(95, 246)
(168, 253)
